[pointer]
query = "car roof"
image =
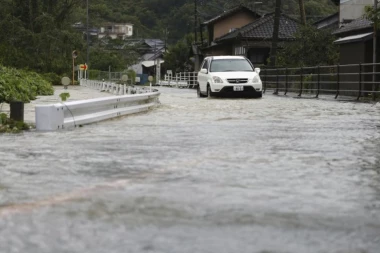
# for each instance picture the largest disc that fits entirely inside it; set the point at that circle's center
(226, 57)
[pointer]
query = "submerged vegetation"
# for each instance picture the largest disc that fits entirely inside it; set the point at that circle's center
(8, 125)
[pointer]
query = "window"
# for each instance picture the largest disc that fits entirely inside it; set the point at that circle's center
(258, 55)
(239, 50)
(226, 65)
(205, 64)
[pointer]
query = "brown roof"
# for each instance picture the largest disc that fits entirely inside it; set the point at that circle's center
(263, 29)
(230, 13)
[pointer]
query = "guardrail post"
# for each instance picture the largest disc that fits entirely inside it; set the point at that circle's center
(17, 110)
(360, 82)
(337, 81)
(276, 91)
(318, 81)
(286, 81)
(301, 82)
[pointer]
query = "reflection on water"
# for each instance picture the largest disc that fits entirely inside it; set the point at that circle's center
(198, 175)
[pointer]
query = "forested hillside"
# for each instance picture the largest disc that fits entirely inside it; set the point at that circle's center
(153, 17)
(39, 34)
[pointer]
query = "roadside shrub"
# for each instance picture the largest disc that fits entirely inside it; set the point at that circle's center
(52, 78)
(131, 76)
(21, 85)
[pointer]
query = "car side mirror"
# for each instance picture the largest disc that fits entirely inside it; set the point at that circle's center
(257, 70)
(204, 71)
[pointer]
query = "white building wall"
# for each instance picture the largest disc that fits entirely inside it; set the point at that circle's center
(352, 9)
(123, 30)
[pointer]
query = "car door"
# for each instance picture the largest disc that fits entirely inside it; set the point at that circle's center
(202, 77)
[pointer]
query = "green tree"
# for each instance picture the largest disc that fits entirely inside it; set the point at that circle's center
(178, 57)
(312, 47)
(37, 34)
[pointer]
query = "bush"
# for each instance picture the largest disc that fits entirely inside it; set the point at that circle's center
(21, 85)
(131, 76)
(52, 78)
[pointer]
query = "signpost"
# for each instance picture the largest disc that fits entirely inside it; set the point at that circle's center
(124, 78)
(65, 82)
(84, 67)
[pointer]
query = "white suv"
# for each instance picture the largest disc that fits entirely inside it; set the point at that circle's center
(232, 76)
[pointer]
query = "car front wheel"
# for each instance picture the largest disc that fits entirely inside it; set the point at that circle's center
(209, 94)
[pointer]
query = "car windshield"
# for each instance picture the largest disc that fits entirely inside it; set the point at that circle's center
(225, 65)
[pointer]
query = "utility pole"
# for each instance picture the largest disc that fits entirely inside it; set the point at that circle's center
(276, 28)
(302, 11)
(195, 20)
(88, 41)
(374, 68)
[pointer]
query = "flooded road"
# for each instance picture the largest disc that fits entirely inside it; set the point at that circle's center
(195, 175)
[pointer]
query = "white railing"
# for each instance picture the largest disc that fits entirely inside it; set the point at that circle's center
(181, 80)
(113, 88)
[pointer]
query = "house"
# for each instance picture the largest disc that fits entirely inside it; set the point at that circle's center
(254, 40)
(229, 21)
(152, 51)
(355, 34)
(350, 10)
(355, 41)
(114, 31)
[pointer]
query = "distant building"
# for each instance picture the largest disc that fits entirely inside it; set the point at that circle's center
(114, 31)
(355, 41)
(229, 21)
(355, 33)
(240, 31)
(352, 9)
(152, 54)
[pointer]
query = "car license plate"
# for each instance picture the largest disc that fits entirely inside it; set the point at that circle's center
(238, 88)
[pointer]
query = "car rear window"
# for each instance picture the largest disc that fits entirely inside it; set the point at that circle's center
(225, 65)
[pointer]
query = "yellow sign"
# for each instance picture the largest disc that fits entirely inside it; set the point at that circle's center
(83, 67)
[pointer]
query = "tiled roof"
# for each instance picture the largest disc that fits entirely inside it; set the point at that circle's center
(357, 24)
(331, 21)
(154, 43)
(229, 13)
(263, 29)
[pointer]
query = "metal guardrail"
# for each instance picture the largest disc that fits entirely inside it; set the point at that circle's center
(351, 80)
(129, 100)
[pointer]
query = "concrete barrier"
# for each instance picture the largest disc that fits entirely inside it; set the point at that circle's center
(77, 113)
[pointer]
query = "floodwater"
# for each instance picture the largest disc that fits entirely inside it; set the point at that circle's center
(270, 175)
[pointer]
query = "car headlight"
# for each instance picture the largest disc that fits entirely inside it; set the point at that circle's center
(217, 79)
(256, 79)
